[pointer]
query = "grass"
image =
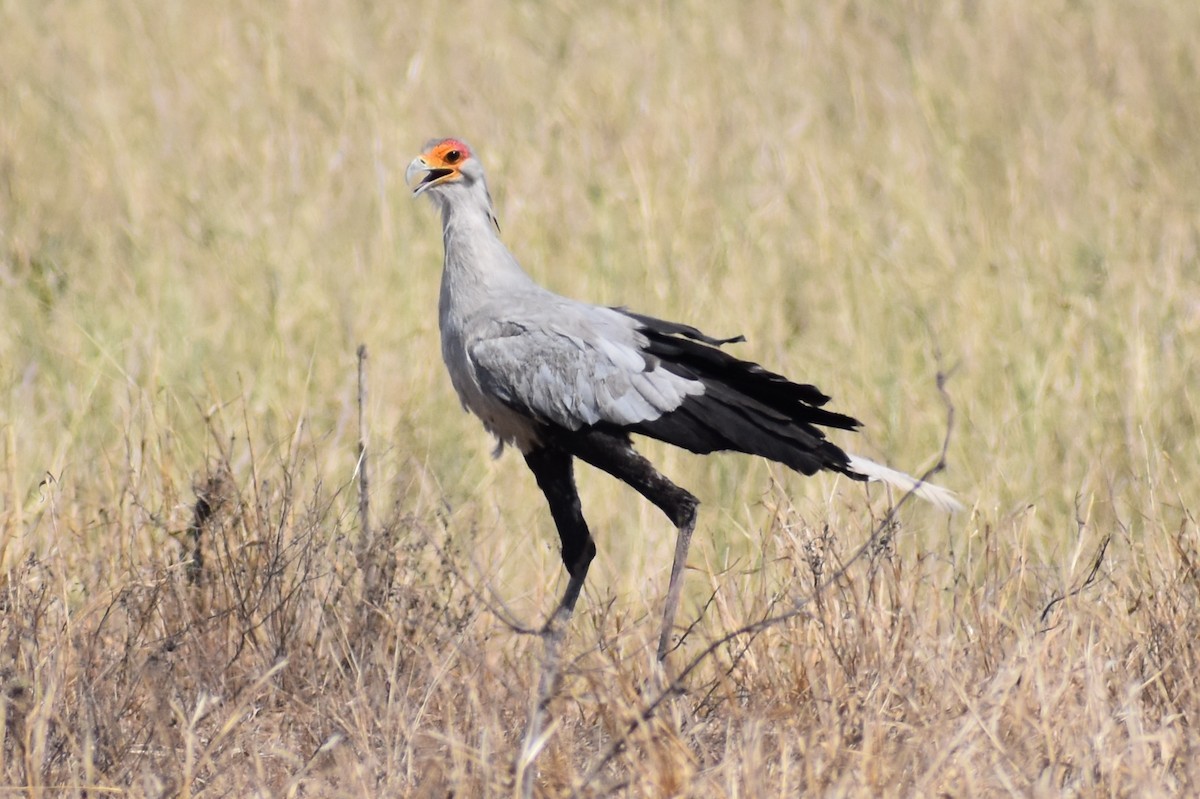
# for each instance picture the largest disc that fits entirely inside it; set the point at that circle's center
(202, 215)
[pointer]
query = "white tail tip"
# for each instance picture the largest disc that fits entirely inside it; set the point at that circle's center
(943, 498)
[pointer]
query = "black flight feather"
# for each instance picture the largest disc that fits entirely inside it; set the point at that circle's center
(744, 407)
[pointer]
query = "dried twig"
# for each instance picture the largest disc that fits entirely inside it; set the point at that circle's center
(1097, 562)
(364, 480)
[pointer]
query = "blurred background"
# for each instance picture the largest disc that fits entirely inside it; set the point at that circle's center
(203, 214)
(207, 205)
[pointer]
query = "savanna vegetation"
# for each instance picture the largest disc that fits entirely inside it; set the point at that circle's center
(203, 216)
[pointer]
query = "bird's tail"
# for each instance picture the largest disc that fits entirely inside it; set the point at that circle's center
(943, 498)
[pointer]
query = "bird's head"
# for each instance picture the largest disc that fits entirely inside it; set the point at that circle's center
(452, 176)
(444, 163)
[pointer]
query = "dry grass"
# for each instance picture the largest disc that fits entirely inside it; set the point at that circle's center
(202, 215)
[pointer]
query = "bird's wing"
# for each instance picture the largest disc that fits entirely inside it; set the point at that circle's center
(577, 370)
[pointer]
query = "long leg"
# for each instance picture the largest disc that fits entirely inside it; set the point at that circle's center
(683, 540)
(554, 472)
(555, 475)
(615, 455)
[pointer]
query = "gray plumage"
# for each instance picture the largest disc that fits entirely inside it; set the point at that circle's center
(519, 355)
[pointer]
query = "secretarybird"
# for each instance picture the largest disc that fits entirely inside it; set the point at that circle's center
(560, 379)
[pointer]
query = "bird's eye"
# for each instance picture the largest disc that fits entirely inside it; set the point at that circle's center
(453, 157)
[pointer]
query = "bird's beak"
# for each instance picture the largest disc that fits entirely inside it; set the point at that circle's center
(433, 175)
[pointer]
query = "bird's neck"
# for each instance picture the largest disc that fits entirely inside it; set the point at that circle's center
(477, 267)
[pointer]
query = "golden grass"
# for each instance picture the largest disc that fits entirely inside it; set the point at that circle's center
(202, 215)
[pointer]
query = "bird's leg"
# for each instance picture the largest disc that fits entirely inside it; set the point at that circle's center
(553, 470)
(555, 475)
(683, 541)
(615, 455)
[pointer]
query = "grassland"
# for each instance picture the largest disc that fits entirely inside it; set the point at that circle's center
(202, 215)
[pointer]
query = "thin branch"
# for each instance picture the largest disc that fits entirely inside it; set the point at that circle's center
(364, 480)
(1097, 562)
(491, 600)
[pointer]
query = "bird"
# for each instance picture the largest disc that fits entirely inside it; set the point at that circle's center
(562, 380)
